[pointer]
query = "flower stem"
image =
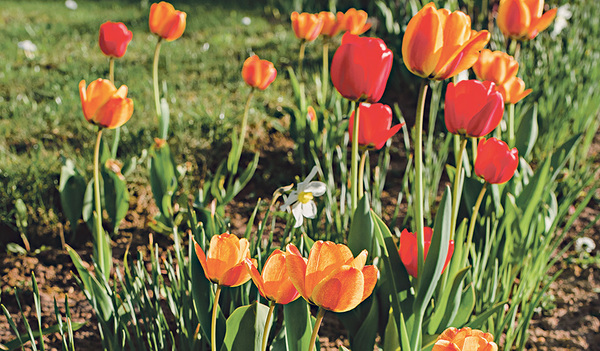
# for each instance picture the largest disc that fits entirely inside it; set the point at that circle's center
(325, 72)
(268, 321)
(457, 181)
(213, 324)
(98, 217)
(474, 218)
(155, 79)
(301, 58)
(354, 164)
(419, 173)
(111, 70)
(511, 125)
(111, 77)
(361, 174)
(313, 337)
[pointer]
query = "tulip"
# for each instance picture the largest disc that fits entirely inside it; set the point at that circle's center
(104, 105)
(114, 38)
(307, 26)
(166, 22)
(355, 21)
(495, 163)
(332, 24)
(408, 250)
(513, 90)
(258, 73)
(331, 278)
(374, 125)
(464, 339)
(501, 68)
(224, 264)
(523, 19)
(439, 44)
(273, 283)
(360, 68)
(473, 108)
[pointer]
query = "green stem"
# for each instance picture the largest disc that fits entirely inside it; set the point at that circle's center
(354, 160)
(111, 77)
(361, 174)
(213, 324)
(313, 337)
(99, 231)
(474, 218)
(419, 173)
(457, 181)
(325, 73)
(155, 80)
(511, 125)
(111, 70)
(244, 125)
(268, 321)
(301, 58)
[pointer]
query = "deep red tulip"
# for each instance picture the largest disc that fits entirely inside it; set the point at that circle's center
(258, 73)
(473, 108)
(409, 253)
(495, 163)
(361, 67)
(114, 38)
(375, 122)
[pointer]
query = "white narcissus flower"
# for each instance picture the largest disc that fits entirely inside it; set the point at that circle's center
(300, 202)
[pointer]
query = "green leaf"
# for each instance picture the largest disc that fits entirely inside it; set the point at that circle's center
(116, 196)
(163, 179)
(16, 342)
(362, 324)
(71, 187)
(165, 117)
(447, 307)
(562, 154)
(298, 325)
(391, 340)
(482, 318)
(245, 327)
(527, 132)
(360, 236)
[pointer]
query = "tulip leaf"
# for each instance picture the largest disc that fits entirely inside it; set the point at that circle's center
(72, 190)
(298, 325)
(530, 198)
(360, 236)
(391, 340)
(245, 327)
(447, 308)
(362, 324)
(163, 179)
(165, 116)
(89, 205)
(562, 154)
(482, 318)
(116, 196)
(21, 339)
(436, 256)
(465, 309)
(241, 182)
(527, 132)
(202, 293)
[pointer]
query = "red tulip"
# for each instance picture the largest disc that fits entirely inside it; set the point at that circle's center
(258, 73)
(114, 38)
(166, 22)
(360, 68)
(374, 125)
(495, 163)
(409, 254)
(473, 108)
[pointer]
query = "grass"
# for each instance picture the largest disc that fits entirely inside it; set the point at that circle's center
(40, 110)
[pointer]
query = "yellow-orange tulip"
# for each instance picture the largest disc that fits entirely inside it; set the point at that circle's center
(274, 283)
(331, 278)
(104, 105)
(166, 22)
(439, 44)
(465, 339)
(355, 21)
(501, 68)
(523, 19)
(307, 26)
(258, 73)
(224, 262)
(332, 24)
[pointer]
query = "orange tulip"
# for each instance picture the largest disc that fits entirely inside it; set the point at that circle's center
(332, 24)
(274, 284)
(439, 44)
(224, 262)
(104, 105)
(355, 21)
(501, 68)
(331, 278)
(166, 22)
(307, 26)
(465, 339)
(523, 19)
(258, 73)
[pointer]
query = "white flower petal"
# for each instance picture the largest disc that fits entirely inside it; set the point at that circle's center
(289, 201)
(297, 212)
(316, 188)
(309, 209)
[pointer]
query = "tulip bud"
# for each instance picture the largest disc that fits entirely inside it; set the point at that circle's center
(114, 38)
(495, 163)
(374, 125)
(166, 22)
(409, 253)
(258, 73)
(355, 21)
(523, 19)
(307, 26)
(274, 283)
(224, 262)
(501, 68)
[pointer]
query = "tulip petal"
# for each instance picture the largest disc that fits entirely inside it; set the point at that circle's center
(223, 255)
(97, 94)
(340, 292)
(202, 259)
(324, 258)
(370, 274)
(544, 22)
(256, 277)
(114, 113)
(237, 275)
(423, 41)
(465, 57)
(296, 267)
